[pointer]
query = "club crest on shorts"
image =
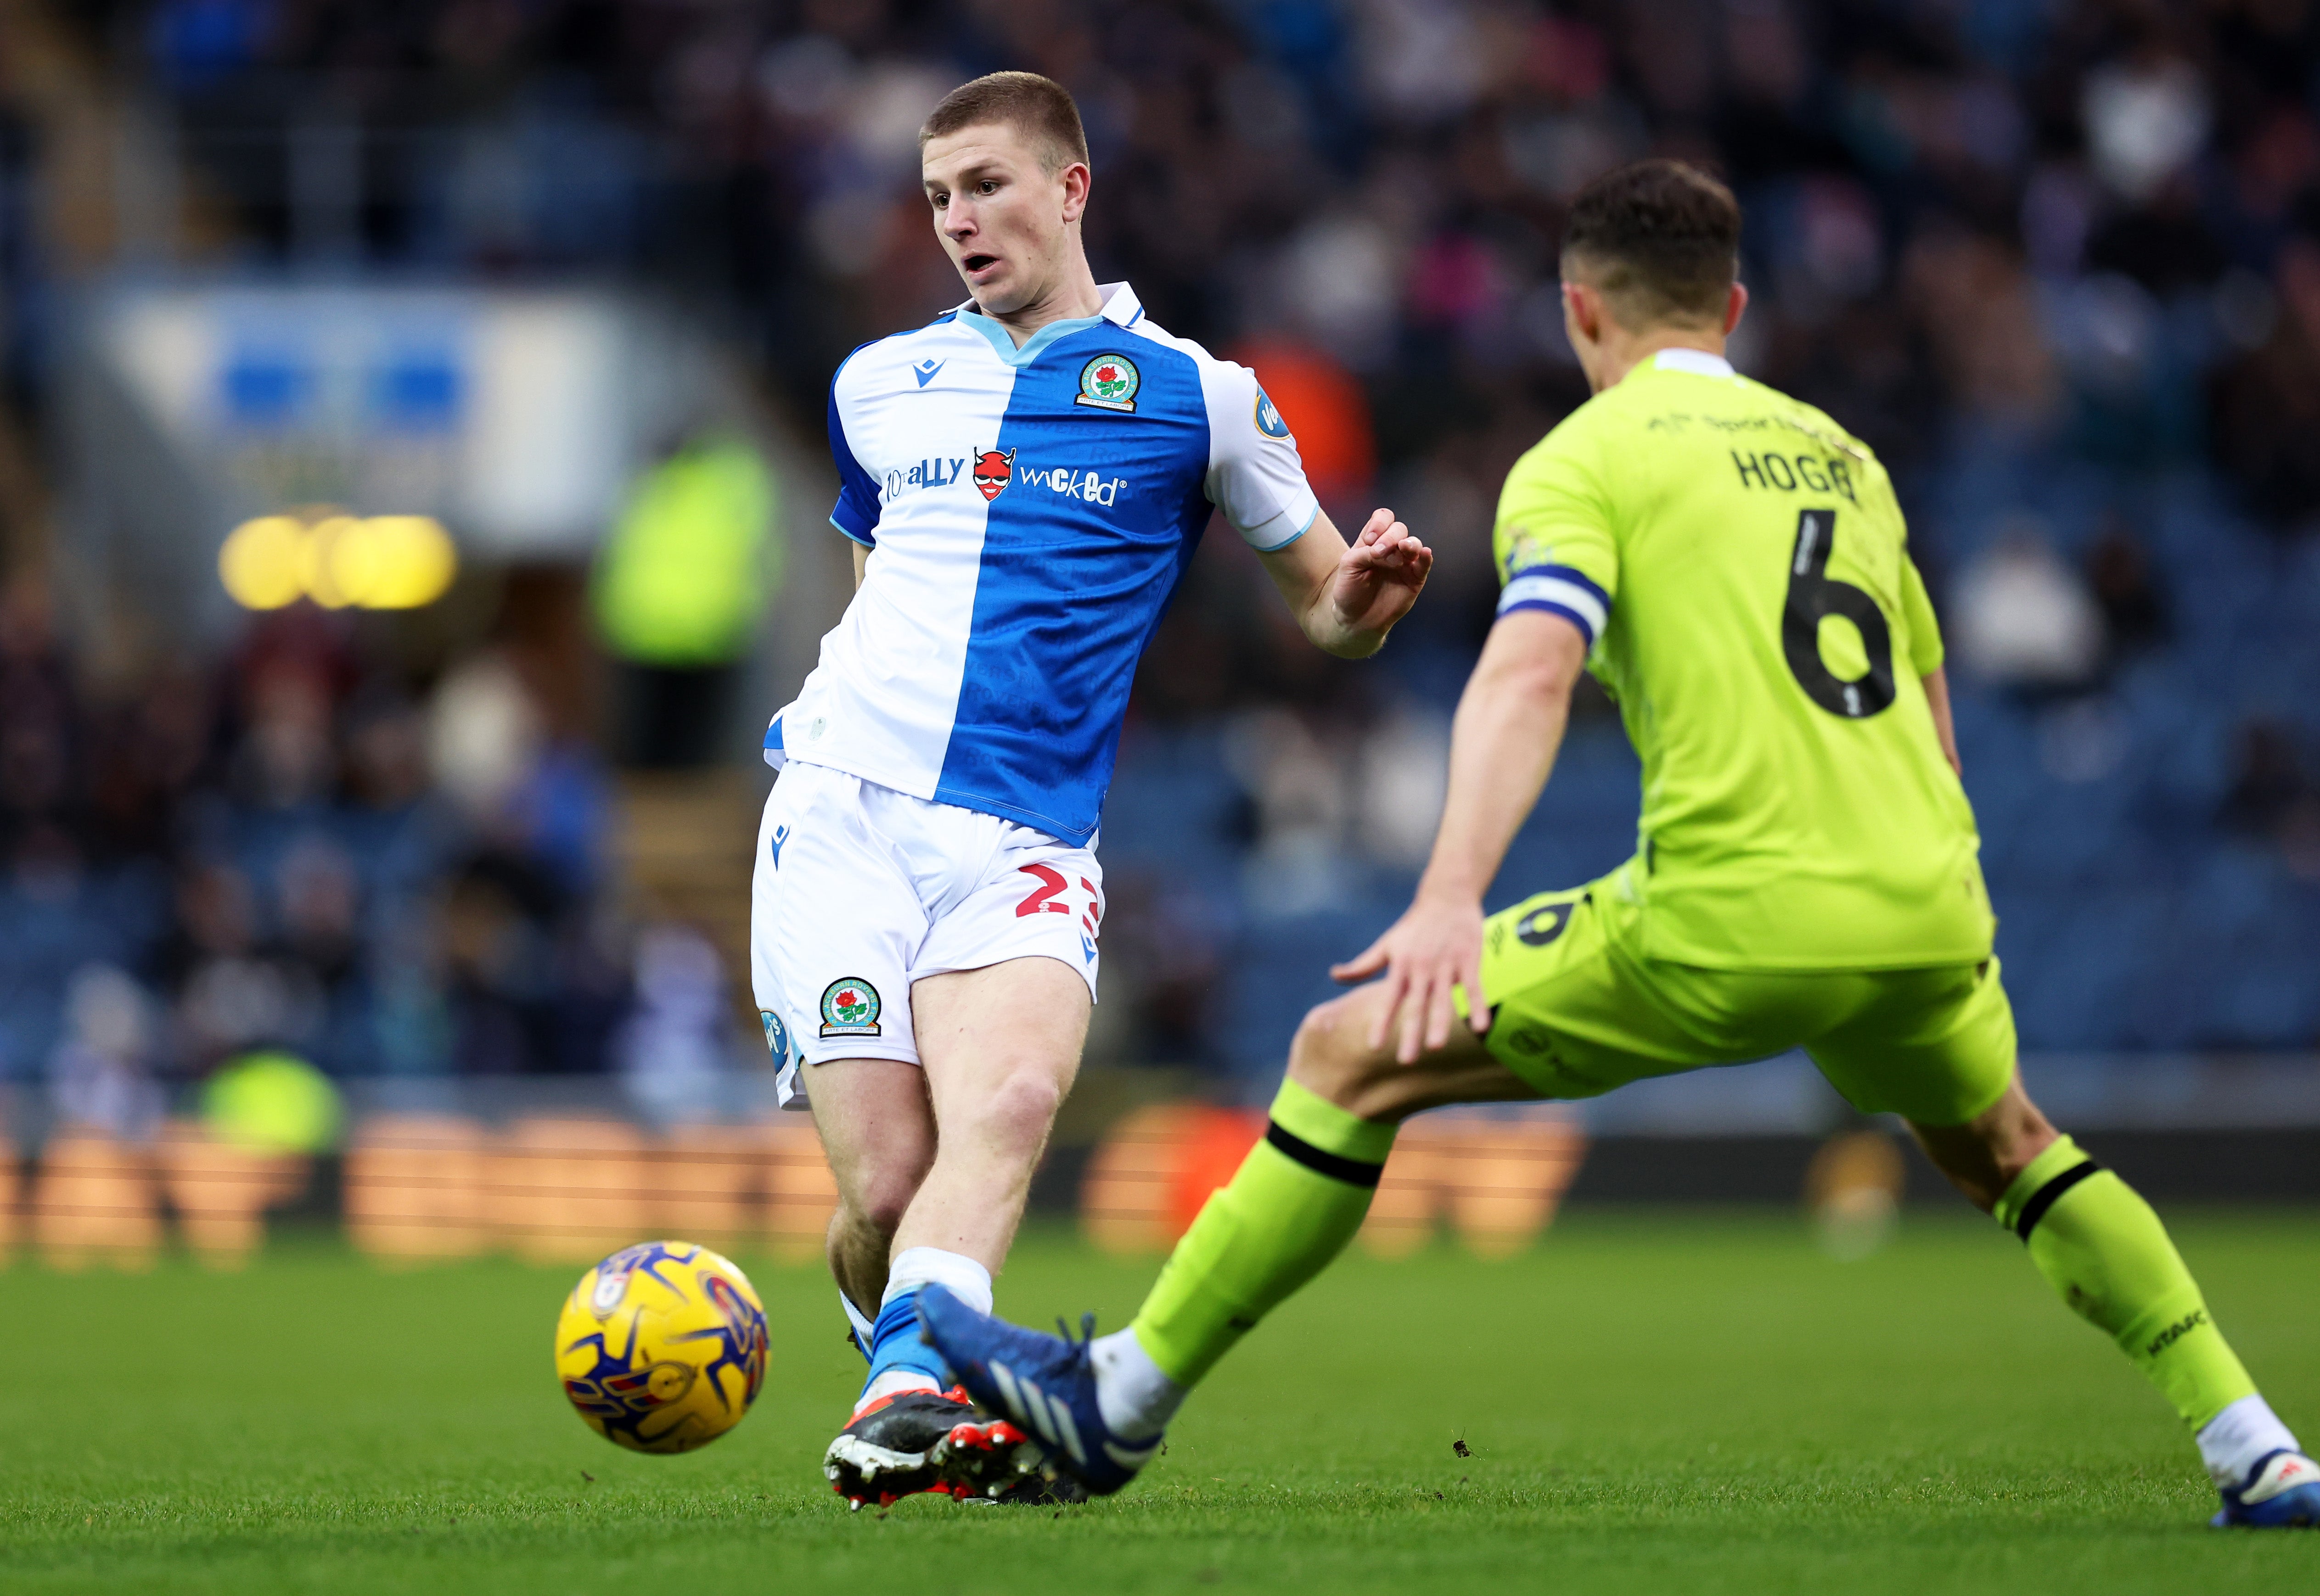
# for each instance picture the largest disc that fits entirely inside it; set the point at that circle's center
(1109, 383)
(849, 1007)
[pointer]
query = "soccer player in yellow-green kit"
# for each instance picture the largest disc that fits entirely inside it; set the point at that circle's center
(1732, 566)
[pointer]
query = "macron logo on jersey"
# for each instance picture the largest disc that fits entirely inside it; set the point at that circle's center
(924, 370)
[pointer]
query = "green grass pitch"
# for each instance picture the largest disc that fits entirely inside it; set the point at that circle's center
(1669, 1403)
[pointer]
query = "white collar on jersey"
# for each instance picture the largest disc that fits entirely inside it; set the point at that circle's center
(1700, 363)
(1120, 306)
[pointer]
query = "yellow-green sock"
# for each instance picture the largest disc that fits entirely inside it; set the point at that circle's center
(2102, 1248)
(1299, 1196)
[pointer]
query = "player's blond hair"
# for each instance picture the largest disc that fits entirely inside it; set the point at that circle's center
(1039, 108)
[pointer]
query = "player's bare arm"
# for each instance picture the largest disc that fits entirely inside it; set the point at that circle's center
(1503, 742)
(1347, 597)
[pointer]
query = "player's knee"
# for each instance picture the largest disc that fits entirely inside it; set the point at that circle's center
(1020, 1111)
(875, 1188)
(1331, 1055)
(2020, 1137)
(879, 1204)
(1982, 1157)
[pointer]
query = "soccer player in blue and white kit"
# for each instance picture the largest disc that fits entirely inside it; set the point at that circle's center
(1024, 480)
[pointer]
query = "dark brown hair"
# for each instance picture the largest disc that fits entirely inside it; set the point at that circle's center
(1039, 108)
(1660, 237)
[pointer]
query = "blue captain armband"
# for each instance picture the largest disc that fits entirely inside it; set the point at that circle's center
(1563, 591)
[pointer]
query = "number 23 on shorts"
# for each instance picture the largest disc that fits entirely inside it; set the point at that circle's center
(1049, 897)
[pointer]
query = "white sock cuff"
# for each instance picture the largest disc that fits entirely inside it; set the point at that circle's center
(955, 1272)
(1136, 1398)
(2231, 1442)
(864, 1324)
(893, 1383)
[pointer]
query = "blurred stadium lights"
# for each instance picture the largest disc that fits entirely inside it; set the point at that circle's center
(337, 561)
(514, 418)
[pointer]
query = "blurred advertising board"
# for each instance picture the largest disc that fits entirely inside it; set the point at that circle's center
(514, 418)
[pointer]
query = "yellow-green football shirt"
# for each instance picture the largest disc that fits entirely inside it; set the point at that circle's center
(1740, 568)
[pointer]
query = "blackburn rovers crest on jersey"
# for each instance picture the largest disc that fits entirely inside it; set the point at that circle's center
(1108, 383)
(1030, 510)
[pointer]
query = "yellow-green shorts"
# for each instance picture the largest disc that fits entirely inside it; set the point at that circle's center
(1579, 1012)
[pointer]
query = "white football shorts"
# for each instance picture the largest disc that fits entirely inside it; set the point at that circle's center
(861, 891)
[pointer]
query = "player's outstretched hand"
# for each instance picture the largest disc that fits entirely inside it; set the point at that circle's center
(1436, 945)
(1379, 576)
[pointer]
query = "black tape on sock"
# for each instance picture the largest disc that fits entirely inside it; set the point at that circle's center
(2047, 1195)
(1320, 1160)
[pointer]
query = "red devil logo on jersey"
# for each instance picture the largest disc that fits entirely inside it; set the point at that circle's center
(992, 471)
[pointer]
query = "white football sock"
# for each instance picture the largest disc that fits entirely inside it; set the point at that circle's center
(893, 1382)
(2234, 1440)
(955, 1272)
(1135, 1398)
(861, 1322)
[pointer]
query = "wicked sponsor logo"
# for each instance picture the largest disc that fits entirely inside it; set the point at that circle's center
(1092, 486)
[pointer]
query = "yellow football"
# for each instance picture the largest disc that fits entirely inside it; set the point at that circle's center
(662, 1347)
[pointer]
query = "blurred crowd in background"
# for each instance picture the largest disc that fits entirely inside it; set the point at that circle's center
(282, 849)
(2057, 261)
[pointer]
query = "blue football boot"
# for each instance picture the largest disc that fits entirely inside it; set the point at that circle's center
(1044, 1384)
(2282, 1492)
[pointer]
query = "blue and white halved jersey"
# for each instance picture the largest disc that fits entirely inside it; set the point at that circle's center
(1030, 513)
